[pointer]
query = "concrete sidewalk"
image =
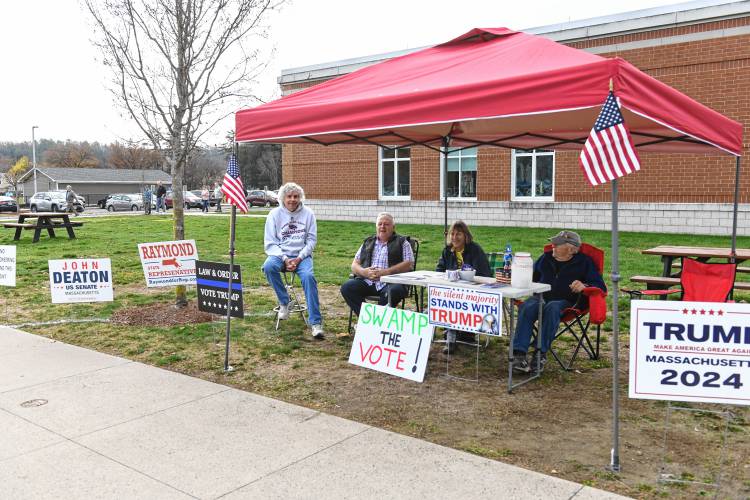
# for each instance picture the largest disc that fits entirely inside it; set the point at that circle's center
(80, 424)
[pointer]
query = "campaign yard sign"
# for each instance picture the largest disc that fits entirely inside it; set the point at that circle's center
(80, 280)
(168, 263)
(392, 341)
(690, 351)
(213, 284)
(465, 309)
(7, 265)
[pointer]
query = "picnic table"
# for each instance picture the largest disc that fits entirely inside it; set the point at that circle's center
(671, 255)
(39, 221)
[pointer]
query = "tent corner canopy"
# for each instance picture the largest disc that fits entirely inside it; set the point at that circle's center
(490, 86)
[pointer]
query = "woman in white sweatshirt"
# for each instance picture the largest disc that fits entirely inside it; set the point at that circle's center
(289, 241)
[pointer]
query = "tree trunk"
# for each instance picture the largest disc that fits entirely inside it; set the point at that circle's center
(178, 218)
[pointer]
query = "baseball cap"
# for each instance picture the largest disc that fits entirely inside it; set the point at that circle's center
(566, 237)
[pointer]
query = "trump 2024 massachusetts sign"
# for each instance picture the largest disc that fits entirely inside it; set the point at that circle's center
(393, 341)
(690, 351)
(168, 263)
(80, 280)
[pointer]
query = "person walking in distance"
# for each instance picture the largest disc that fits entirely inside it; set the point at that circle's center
(217, 196)
(161, 194)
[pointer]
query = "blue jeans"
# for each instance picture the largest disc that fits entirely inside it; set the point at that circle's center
(160, 203)
(272, 268)
(528, 313)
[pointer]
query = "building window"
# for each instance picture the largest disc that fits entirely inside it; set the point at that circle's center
(395, 172)
(533, 175)
(461, 176)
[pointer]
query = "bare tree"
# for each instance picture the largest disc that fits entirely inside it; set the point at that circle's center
(179, 67)
(71, 155)
(133, 156)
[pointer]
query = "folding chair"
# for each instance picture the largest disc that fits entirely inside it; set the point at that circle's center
(411, 291)
(699, 282)
(579, 320)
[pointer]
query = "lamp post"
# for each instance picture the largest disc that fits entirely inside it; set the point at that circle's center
(33, 154)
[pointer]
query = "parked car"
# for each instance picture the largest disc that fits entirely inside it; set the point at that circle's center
(8, 204)
(53, 201)
(191, 201)
(131, 202)
(261, 198)
(103, 202)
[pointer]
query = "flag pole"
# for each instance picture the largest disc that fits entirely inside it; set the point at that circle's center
(614, 459)
(233, 219)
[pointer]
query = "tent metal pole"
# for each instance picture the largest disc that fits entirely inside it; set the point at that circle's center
(614, 464)
(736, 206)
(446, 143)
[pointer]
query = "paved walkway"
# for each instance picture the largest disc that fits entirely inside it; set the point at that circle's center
(77, 424)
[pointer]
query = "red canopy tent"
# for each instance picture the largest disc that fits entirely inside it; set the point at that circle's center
(496, 87)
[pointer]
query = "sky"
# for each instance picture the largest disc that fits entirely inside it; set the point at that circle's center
(52, 78)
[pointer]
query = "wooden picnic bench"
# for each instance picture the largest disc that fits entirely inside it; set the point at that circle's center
(671, 257)
(47, 221)
(664, 282)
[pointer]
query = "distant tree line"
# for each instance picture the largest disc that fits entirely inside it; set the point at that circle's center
(260, 164)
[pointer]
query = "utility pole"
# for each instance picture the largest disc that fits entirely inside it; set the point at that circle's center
(33, 154)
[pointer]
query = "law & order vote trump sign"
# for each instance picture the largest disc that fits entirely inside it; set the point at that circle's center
(465, 309)
(690, 351)
(392, 340)
(168, 263)
(80, 280)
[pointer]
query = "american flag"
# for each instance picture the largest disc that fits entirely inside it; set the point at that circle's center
(609, 152)
(232, 186)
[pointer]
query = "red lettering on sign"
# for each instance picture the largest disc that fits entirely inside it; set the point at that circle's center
(373, 351)
(362, 354)
(400, 360)
(389, 351)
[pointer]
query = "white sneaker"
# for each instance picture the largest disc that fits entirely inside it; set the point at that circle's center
(317, 331)
(283, 311)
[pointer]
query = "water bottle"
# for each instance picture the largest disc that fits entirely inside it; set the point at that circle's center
(522, 270)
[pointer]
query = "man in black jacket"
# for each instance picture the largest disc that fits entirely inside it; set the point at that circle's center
(568, 272)
(380, 255)
(161, 194)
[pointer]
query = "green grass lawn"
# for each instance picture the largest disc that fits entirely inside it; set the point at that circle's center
(118, 237)
(287, 364)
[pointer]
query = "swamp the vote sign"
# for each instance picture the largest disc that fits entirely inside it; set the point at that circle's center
(80, 280)
(690, 351)
(392, 341)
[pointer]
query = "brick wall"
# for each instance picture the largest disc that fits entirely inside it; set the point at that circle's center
(715, 72)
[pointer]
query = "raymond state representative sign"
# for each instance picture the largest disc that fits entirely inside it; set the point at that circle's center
(393, 341)
(168, 263)
(213, 284)
(690, 351)
(80, 280)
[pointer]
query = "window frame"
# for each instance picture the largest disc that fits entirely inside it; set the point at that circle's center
(534, 154)
(395, 161)
(443, 178)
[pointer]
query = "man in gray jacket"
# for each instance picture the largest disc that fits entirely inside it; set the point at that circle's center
(290, 237)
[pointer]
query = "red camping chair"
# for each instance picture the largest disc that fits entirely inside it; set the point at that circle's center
(577, 321)
(700, 282)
